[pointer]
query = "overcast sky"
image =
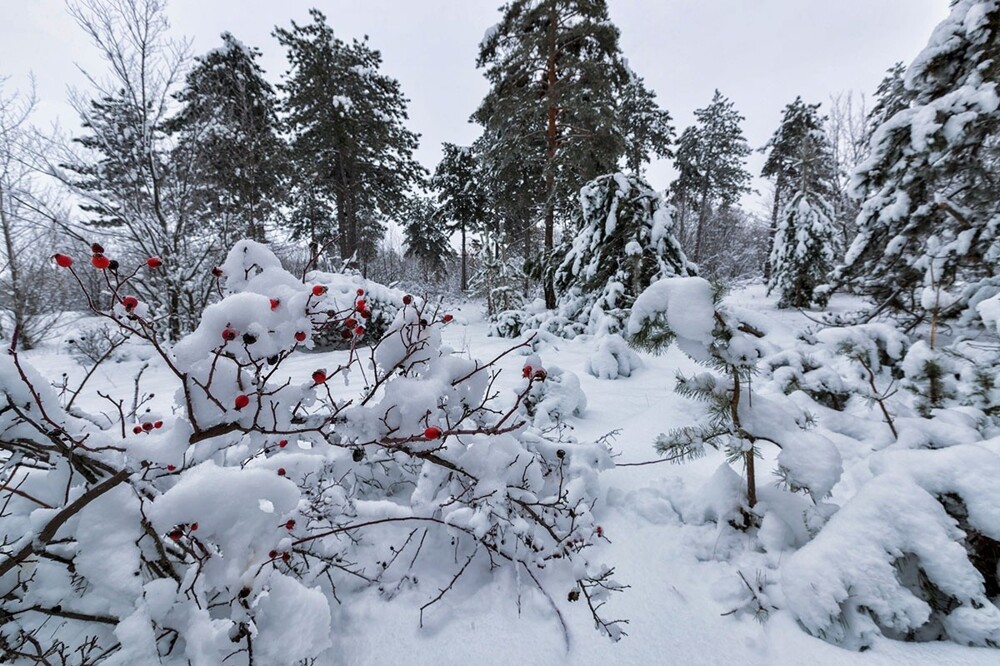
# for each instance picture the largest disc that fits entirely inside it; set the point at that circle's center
(761, 53)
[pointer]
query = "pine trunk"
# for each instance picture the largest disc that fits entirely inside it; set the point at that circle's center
(551, 136)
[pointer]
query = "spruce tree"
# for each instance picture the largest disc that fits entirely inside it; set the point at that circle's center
(349, 138)
(426, 238)
(711, 161)
(646, 128)
(462, 197)
(554, 68)
(802, 254)
(622, 242)
(228, 129)
(929, 216)
(799, 158)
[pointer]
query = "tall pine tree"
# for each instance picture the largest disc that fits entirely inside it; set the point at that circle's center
(555, 69)
(646, 128)
(349, 138)
(930, 219)
(426, 238)
(462, 196)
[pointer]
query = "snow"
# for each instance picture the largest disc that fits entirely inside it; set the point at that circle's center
(686, 303)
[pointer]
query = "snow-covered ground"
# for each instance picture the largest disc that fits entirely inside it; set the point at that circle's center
(684, 575)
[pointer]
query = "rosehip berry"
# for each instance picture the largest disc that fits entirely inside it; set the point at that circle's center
(526, 371)
(447, 318)
(365, 314)
(300, 336)
(217, 272)
(275, 303)
(350, 322)
(175, 535)
(171, 468)
(319, 376)
(360, 305)
(540, 375)
(283, 443)
(154, 262)
(272, 554)
(281, 471)
(249, 338)
(359, 331)
(407, 299)
(600, 531)
(285, 557)
(346, 334)
(229, 334)
(241, 401)
(194, 527)
(97, 248)
(158, 425)
(318, 290)
(137, 429)
(147, 426)
(290, 525)
(100, 262)
(130, 303)
(433, 432)
(358, 455)
(113, 266)
(63, 261)
(361, 292)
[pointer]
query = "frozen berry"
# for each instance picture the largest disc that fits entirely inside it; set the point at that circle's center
(97, 248)
(319, 376)
(360, 305)
(113, 265)
(359, 331)
(285, 557)
(158, 424)
(318, 290)
(526, 371)
(175, 535)
(350, 322)
(154, 262)
(229, 334)
(147, 426)
(346, 334)
(283, 443)
(281, 471)
(171, 468)
(194, 527)
(365, 314)
(432, 432)
(63, 261)
(242, 401)
(137, 429)
(130, 303)
(560, 453)
(600, 531)
(272, 554)
(290, 525)
(407, 299)
(361, 292)
(540, 375)
(275, 303)
(100, 262)
(217, 272)
(300, 336)
(249, 338)
(447, 318)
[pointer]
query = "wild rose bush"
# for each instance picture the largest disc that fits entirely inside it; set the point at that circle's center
(228, 531)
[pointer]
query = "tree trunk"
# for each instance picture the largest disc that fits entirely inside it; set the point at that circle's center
(465, 275)
(551, 137)
(702, 215)
(775, 211)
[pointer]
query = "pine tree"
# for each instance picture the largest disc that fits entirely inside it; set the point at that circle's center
(426, 238)
(622, 242)
(228, 129)
(554, 68)
(710, 159)
(930, 216)
(347, 121)
(799, 158)
(646, 128)
(462, 197)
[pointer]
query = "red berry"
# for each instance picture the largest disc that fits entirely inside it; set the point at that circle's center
(242, 401)
(290, 525)
(346, 334)
(229, 334)
(359, 331)
(407, 299)
(272, 554)
(318, 290)
(100, 262)
(154, 262)
(147, 426)
(285, 557)
(176, 535)
(319, 376)
(526, 371)
(361, 292)
(365, 313)
(62, 261)
(275, 303)
(97, 248)
(158, 425)
(130, 302)
(433, 432)
(300, 336)
(137, 429)
(447, 318)
(217, 272)
(283, 443)
(360, 305)
(171, 468)
(194, 526)
(600, 531)
(540, 375)
(350, 322)
(281, 471)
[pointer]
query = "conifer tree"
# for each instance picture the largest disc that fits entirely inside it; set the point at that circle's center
(349, 138)
(710, 159)
(554, 68)
(426, 238)
(646, 128)
(622, 242)
(462, 198)
(930, 216)
(228, 129)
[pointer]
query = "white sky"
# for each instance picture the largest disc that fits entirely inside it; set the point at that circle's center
(761, 53)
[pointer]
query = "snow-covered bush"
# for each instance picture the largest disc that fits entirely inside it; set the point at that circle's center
(913, 555)
(613, 359)
(802, 255)
(227, 531)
